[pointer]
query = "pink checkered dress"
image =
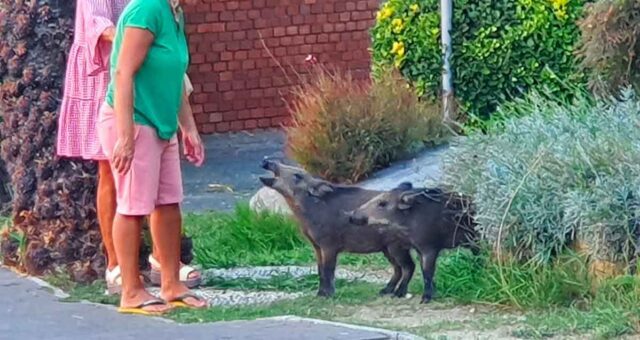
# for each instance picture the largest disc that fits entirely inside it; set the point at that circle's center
(86, 79)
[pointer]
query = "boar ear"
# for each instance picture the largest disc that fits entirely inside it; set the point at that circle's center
(407, 199)
(321, 189)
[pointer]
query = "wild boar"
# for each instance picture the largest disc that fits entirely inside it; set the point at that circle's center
(321, 208)
(431, 219)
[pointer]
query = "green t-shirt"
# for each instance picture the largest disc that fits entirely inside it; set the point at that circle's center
(158, 84)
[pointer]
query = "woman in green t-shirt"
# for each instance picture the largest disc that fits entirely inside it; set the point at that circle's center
(138, 131)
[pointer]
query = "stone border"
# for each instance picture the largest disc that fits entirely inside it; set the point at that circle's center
(395, 335)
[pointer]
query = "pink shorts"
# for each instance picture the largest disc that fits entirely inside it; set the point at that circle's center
(155, 177)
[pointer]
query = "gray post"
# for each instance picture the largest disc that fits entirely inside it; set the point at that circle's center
(446, 14)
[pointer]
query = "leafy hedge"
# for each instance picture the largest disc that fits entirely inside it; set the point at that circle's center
(501, 48)
(564, 175)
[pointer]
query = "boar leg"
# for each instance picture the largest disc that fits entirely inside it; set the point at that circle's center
(329, 259)
(403, 256)
(428, 259)
(397, 273)
(318, 252)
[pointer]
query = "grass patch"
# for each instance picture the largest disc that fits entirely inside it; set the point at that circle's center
(93, 292)
(246, 238)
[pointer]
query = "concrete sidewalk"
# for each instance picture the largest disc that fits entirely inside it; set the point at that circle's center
(29, 311)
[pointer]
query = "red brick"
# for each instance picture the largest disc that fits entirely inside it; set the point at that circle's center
(203, 8)
(286, 41)
(248, 65)
(225, 37)
(246, 44)
(254, 54)
(234, 65)
(238, 85)
(233, 26)
(250, 124)
(316, 8)
(209, 87)
(323, 38)
(273, 42)
(240, 104)
(280, 52)
(233, 45)
(363, 25)
(265, 122)
(237, 126)
(258, 3)
(197, 109)
(310, 39)
(260, 23)
(305, 9)
(222, 127)
(341, 7)
(257, 113)
(244, 114)
(241, 55)
(207, 128)
(225, 106)
(197, 59)
(200, 119)
(328, 28)
(200, 98)
(341, 27)
(224, 86)
(226, 56)
(291, 51)
(306, 29)
(246, 5)
(328, 8)
(292, 30)
(211, 27)
(278, 121)
(293, 10)
(225, 76)
(212, 17)
(215, 117)
(226, 16)
(351, 26)
(220, 66)
(279, 32)
(305, 49)
(239, 35)
(335, 17)
(334, 37)
(298, 40)
(240, 15)
(229, 116)
(217, 6)
(265, 82)
(350, 6)
(322, 19)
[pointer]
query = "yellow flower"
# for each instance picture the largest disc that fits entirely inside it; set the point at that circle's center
(384, 13)
(398, 49)
(560, 8)
(414, 8)
(397, 25)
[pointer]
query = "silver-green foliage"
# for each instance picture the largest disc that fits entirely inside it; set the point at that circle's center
(561, 173)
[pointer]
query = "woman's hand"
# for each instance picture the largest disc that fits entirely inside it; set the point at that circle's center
(123, 153)
(193, 147)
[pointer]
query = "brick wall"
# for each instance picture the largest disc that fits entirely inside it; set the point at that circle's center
(237, 83)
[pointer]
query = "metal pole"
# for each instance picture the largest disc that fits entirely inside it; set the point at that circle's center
(446, 13)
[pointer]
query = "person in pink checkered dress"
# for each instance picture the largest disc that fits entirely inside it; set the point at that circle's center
(86, 81)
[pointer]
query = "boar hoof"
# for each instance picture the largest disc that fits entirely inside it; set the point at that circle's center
(425, 299)
(385, 291)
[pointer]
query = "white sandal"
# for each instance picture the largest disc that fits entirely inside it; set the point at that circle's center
(114, 281)
(185, 271)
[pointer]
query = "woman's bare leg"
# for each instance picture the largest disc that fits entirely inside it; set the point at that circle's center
(166, 226)
(126, 238)
(106, 208)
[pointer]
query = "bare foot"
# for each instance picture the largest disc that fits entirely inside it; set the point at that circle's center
(181, 295)
(137, 297)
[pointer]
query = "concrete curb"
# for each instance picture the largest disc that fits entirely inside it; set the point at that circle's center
(395, 335)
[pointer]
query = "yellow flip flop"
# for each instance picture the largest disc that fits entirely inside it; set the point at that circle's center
(139, 309)
(179, 301)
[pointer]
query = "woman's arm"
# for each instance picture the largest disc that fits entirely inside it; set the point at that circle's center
(133, 52)
(100, 32)
(193, 147)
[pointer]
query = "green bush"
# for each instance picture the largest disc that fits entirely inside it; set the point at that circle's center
(501, 48)
(344, 129)
(561, 173)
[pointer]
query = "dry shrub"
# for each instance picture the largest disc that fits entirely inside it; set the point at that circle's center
(343, 129)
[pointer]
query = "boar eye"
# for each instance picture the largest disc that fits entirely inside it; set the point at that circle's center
(298, 177)
(382, 204)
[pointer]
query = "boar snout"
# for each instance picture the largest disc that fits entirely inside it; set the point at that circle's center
(268, 164)
(358, 219)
